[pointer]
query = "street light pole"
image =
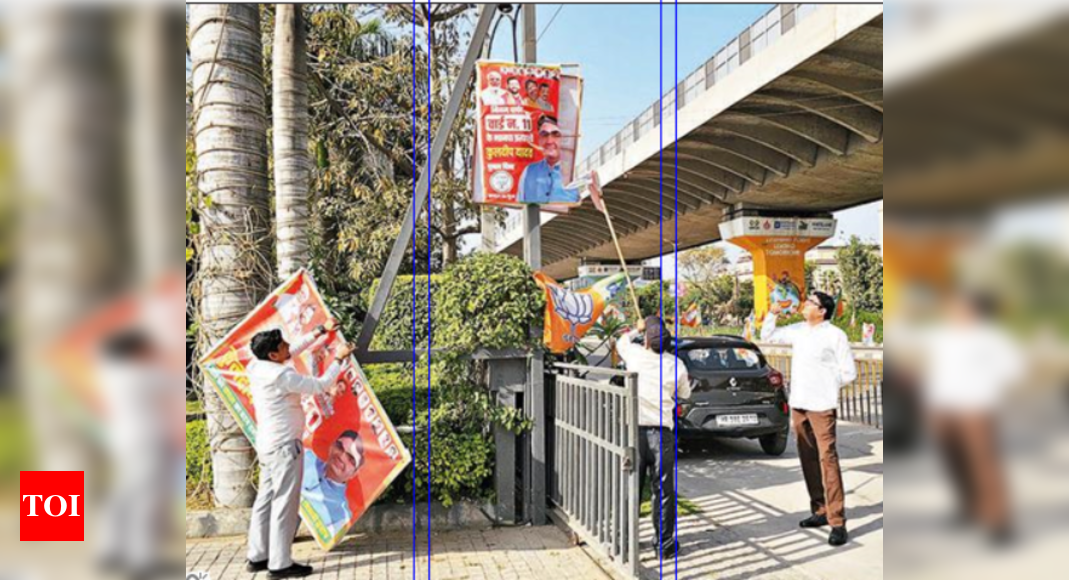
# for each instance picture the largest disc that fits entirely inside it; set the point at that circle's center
(532, 254)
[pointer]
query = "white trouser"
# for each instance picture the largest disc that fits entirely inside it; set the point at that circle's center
(277, 509)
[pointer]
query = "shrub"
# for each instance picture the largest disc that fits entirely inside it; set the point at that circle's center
(395, 331)
(198, 459)
(462, 458)
(489, 301)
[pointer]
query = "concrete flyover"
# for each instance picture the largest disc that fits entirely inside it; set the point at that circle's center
(982, 96)
(788, 116)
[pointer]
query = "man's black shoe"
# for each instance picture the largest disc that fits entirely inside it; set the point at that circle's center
(838, 537)
(1002, 537)
(254, 567)
(814, 522)
(669, 553)
(294, 571)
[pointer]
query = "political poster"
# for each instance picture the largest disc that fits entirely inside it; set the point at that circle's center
(570, 314)
(352, 451)
(527, 135)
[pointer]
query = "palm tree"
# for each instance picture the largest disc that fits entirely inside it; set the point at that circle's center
(292, 161)
(65, 75)
(230, 133)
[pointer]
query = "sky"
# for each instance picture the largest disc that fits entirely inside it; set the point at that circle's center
(624, 70)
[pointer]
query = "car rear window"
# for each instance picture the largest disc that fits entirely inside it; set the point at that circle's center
(722, 359)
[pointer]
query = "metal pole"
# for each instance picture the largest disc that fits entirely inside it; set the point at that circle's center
(456, 99)
(532, 254)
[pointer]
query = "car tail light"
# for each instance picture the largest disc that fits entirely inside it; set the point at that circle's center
(776, 379)
(680, 411)
(786, 409)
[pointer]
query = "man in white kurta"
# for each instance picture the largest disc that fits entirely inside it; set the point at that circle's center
(276, 395)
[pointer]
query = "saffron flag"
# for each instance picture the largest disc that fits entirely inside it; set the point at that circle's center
(570, 314)
(692, 317)
(352, 423)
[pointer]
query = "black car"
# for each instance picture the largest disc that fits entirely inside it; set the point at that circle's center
(735, 393)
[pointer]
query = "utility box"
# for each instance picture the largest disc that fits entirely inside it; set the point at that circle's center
(507, 377)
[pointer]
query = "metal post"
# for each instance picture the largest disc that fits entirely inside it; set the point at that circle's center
(532, 253)
(456, 99)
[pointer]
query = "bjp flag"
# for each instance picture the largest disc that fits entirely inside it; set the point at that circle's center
(692, 317)
(571, 314)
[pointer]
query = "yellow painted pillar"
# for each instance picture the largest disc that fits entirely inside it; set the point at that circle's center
(778, 246)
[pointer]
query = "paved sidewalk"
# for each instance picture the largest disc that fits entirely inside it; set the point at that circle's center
(542, 553)
(750, 505)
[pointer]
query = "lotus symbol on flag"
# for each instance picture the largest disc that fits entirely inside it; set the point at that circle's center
(575, 308)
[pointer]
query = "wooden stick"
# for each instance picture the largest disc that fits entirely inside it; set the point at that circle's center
(623, 263)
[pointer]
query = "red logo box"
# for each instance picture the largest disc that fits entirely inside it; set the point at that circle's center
(52, 506)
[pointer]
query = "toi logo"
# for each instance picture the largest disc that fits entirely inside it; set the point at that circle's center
(198, 576)
(52, 506)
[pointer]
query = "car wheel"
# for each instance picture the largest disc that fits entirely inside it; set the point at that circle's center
(775, 445)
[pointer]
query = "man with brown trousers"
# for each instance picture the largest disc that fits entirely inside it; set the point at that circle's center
(822, 363)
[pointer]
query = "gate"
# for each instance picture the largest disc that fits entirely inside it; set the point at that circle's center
(593, 458)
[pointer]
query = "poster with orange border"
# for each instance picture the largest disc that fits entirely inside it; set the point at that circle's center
(527, 136)
(350, 426)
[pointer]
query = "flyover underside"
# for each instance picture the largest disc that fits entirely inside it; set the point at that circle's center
(833, 185)
(809, 139)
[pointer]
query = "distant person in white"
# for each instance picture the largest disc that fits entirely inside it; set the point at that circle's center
(136, 386)
(660, 374)
(493, 95)
(276, 396)
(971, 363)
(821, 365)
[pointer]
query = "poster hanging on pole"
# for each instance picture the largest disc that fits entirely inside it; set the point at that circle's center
(352, 451)
(527, 118)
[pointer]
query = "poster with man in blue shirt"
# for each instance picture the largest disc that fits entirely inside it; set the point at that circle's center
(541, 182)
(325, 482)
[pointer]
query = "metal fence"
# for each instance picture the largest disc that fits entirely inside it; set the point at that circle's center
(593, 459)
(860, 401)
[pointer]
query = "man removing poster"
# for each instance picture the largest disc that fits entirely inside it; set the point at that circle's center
(526, 135)
(345, 445)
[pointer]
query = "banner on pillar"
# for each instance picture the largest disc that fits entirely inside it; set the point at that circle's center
(352, 451)
(527, 118)
(778, 247)
(571, 314)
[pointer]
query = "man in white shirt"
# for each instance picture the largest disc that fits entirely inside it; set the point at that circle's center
(821, 365)
(660, 374)
(276, 395)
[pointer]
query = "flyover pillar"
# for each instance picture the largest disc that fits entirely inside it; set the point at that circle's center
(778, 243)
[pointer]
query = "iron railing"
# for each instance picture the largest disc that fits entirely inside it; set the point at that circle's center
(593, 459)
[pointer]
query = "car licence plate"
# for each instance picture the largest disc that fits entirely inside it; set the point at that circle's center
(736, 420)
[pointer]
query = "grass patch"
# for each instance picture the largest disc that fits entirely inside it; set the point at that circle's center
(686, 507)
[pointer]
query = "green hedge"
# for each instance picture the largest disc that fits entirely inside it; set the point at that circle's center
(395, 331)
(489, 301)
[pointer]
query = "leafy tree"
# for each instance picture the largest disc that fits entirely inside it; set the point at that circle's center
(862, 276)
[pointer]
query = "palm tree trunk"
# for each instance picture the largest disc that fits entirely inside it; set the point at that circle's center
(157, 193)
(230, 133)
(292, 161)
(63, 69)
